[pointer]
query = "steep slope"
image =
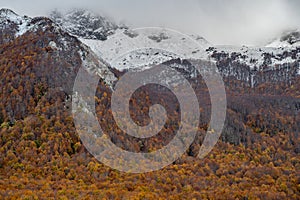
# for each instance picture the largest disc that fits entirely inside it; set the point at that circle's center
(97, 32)
(256, 66)
(37, 56)
(11, 24)
(146, 47)
(85, 24)
(41, 156)
(272, 70)
(276, 62)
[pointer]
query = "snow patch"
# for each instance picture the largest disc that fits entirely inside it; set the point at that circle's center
(146, 47)
(255, 56)
(24, 27)
(53, 45)
(97, 67)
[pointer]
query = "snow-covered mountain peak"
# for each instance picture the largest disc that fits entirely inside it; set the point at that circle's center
(109, 40)
(85, 24)
(53, 40)
(18, 24)
(287, 39)
(7, 14)
(140, 48)
(125, 48)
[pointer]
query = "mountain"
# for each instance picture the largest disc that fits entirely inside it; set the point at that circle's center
(66, 53)
(252, 65)
(53, 56)
(12, 24)
(41, 48)
(85, 24)
(42, 156)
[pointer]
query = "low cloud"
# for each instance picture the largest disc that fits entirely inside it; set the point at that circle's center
(248, 22)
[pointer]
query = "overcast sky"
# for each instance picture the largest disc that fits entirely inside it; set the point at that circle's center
(242, 22)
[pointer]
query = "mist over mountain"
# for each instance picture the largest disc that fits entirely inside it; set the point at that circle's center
(232, 22)
(42, 155)
(282, 53)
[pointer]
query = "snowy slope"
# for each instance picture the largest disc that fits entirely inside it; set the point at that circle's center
(288, 39)
(84, 24)
(22, 24)
(255, 57)
(125, 48)
(111, 46)
(136, 49)
(115, 51)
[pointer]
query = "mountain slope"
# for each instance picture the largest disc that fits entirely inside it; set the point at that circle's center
(146, 46)
(38, 52)
(287, 39)
(41, 156)
(252, 65)
(85, 24)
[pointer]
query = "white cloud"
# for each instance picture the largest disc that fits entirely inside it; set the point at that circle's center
(219, 21)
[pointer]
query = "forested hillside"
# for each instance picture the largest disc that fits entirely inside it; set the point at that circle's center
(42, 157)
